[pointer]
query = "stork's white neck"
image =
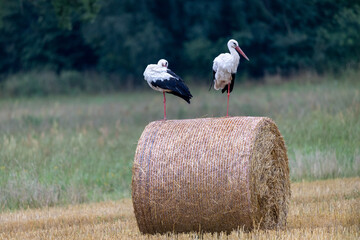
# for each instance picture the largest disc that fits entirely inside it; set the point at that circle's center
(234, 53)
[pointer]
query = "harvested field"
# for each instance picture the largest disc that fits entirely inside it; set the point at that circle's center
(318, 210)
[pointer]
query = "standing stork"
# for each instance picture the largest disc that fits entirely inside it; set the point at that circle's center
(161, 78)
(225, 67)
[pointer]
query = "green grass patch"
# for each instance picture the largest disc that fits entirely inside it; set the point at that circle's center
(73, 149)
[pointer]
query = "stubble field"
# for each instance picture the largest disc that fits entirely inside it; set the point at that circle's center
(327, 209)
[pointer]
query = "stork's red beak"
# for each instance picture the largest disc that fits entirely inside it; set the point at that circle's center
(242, 53)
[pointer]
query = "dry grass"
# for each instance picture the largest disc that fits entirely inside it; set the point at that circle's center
(318, 210)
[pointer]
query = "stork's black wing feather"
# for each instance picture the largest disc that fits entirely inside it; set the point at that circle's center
(212, 82)
(173, 74)
(174, 86)
(225, 89)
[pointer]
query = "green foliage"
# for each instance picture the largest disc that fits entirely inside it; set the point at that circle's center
(120, 38)
(30, 39)
(44, 83)
(65, 9)
(198, 51)
(30, 84)
(340, 40)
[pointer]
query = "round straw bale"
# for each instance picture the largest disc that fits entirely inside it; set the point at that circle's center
(210, 175)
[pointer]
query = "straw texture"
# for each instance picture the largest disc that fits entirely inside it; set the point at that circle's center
(210, 175)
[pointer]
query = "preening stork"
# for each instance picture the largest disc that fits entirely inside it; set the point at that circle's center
(161, 78)
(225, 67)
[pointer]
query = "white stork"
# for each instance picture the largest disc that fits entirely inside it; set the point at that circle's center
(225, 67)
(162, 79)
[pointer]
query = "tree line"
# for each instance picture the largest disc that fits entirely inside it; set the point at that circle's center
(119, 38)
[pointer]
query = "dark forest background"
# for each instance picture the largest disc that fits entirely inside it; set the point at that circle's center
(91, 45)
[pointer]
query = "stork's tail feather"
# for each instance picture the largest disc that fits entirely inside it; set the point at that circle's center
(174, 86)
(181, 90)
(211, 85)
(185, 97)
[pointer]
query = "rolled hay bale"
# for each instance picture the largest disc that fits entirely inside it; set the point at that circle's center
(210, 175)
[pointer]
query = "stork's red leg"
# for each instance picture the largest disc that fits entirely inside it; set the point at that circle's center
(227, 110)
(164, 106)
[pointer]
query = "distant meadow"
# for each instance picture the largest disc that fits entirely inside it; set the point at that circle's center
(69, 149)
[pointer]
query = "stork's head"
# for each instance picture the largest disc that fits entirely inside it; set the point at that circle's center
(234, 44)
(163, 63)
